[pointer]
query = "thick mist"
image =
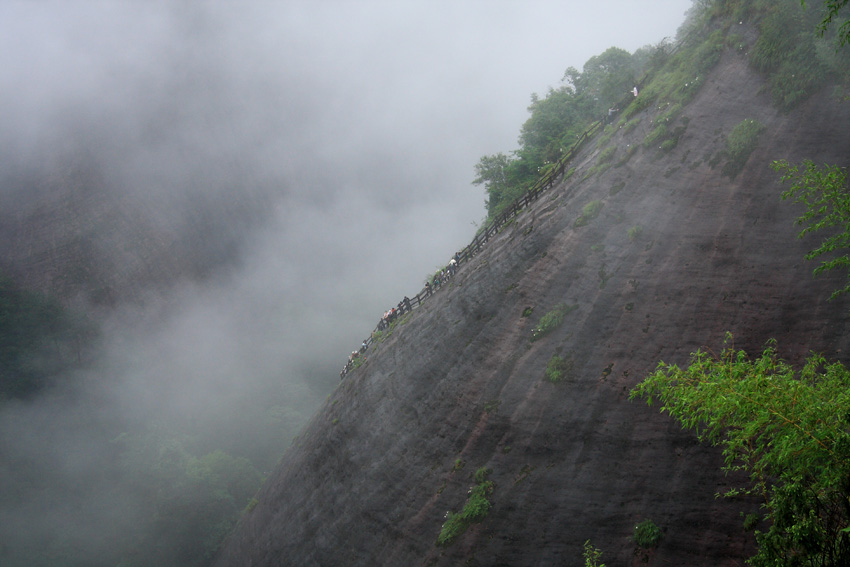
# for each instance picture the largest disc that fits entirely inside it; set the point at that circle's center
(356, 125)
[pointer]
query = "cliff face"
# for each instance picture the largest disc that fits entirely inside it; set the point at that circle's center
(460, 385)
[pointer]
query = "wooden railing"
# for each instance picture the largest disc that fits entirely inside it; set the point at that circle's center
(408, 304)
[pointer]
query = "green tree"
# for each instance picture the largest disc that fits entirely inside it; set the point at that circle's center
(787, 429)
(832, 8)
(492, 172)
(552, 119)
(825, 193)
(605, 79)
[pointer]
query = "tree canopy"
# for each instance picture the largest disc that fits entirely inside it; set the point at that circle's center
(555, 122)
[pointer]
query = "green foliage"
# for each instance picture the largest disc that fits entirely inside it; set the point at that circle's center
(631, 125)
(504, 178)
(635, 232)
(252, 503)
(555, 123)
(551, 119)
(741, 142)
(653, 138)
(474, 511)
(606, 155)
(824, 191)
(833, 7)
(193, 502)
(668, 145)
(551, 321)
(592, 556)
(604, 79)
(559, 368)
(647, 534)
(38, 340)
(481, 475)
(786, 50)
(617, 188)
(589, 212)
(787, 429)
(682, 76)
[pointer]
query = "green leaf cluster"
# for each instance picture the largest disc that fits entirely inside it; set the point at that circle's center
(556, 121)
(592, 555)
(833, 9)
(787, 429)
(682, 75)
(742, 141)
(559, 368)
(474, 511)
(786, 50)
(551, 321)
(589, 212)
(824, 190)
(647, 534)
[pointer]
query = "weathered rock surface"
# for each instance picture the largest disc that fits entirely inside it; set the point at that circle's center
(460, 386)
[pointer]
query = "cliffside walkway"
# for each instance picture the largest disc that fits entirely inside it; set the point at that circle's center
(546, 182)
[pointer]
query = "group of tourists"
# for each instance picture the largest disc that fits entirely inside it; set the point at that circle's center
(442, 276)
(404, 306)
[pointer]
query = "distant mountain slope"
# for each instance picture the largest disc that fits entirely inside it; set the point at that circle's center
(71, 230)
(679, 254)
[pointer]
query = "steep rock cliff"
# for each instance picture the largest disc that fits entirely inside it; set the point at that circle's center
(460, 385)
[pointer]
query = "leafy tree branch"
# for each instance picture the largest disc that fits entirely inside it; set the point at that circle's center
(789, 430)
(825, 193)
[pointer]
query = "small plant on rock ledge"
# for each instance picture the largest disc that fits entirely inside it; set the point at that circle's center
(551, 321)
(647, 534)
(474, 511)
(559, 368)
(589, 212)
(592, 555)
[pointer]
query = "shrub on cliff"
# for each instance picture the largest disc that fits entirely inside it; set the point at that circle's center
(551, 321)
(475, 510)
(789, 430)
